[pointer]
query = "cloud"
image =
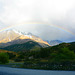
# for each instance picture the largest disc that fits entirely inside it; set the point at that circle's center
(16, 11)
(46, 32)
(55, 12)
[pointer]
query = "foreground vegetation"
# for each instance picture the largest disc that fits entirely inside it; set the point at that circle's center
(4, 58)
(60, 57)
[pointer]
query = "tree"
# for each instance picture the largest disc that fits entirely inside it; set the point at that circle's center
(4, 58)
(11, 55)
(64, 54)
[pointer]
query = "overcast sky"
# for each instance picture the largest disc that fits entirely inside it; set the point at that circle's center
(40, 17)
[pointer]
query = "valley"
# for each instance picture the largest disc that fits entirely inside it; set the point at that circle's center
(24, 50)
(59, 57)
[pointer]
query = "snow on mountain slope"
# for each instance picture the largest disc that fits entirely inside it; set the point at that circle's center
(10, 36)
(54, 42)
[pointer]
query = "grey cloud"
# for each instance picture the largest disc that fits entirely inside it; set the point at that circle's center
(55, 12)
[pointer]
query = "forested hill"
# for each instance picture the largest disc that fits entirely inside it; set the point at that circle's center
(59, 57)
(21, 47)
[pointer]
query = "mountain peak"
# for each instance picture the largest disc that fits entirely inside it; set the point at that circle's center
(13, 35)
(18, 32)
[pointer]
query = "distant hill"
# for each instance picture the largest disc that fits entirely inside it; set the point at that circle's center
(72, 43)
(54, 42)
(30, 45)
(70, 46)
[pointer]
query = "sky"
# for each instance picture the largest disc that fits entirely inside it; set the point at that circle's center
(48, 19)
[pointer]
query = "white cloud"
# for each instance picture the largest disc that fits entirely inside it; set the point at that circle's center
(16, 11)
(58, 12)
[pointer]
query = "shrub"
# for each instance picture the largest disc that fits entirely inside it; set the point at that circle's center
(4, 58)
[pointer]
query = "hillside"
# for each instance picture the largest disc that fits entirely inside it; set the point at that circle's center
(59, 57)
(72, 46)
(30, 45)
(11, 37)
(6, 51)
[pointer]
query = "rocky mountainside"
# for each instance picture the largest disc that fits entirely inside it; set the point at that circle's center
(11, 37)
(54, 42)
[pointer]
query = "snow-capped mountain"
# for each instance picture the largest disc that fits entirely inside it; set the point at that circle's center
(54, 42)
(10, 37)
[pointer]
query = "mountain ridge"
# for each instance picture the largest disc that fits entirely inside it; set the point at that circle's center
(10, 37)
(30, 45)
(54, 42)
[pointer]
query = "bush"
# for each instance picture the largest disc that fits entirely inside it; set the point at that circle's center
(18, 60)
(4, 58)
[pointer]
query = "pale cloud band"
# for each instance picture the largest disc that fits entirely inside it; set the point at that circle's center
(58, 12)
